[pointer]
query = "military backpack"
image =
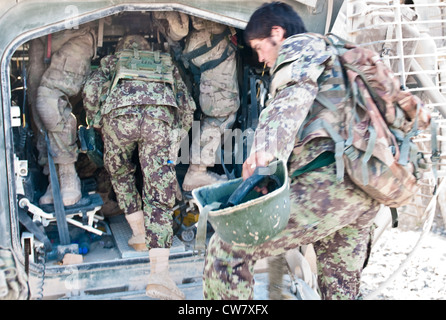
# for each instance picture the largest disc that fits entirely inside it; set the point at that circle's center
(134, 64)
(373, 127)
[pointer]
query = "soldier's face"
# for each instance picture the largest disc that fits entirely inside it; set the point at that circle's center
(268, 48)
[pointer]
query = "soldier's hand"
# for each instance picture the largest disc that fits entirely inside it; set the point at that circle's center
(257, 159)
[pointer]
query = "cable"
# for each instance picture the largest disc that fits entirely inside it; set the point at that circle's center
(426, 228)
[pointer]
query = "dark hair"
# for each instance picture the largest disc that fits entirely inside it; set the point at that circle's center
(270, 15)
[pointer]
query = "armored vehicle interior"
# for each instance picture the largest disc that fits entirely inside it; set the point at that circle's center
(102, 262)
(97, 228)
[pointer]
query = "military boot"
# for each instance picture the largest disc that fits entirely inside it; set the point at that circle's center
(161, 286)
(198, 176)
(136, 222)
(47, 198)
(70, 184)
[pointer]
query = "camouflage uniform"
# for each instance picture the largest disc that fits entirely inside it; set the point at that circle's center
(51, 85)
(219, 100)
(141, 115)
(337, 218)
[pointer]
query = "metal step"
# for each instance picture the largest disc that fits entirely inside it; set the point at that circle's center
(193, 291)
(185, 268)
(122, 233)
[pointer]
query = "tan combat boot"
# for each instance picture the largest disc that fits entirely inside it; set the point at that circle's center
(198, 176)
(136, 222)
(47, 198)
(70, 184)
(161, 286)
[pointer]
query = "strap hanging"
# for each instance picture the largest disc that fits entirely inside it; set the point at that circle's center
(47, 58)
(367, 155)
(200, 241)
(62, 225)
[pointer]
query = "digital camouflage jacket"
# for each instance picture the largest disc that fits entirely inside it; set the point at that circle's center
(128, 95)
(305, 67)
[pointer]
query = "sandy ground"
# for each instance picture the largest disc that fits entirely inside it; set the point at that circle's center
(423, 276)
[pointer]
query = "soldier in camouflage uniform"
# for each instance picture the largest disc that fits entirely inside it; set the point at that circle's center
(59, 65)
(219, 99)
(141, 114)
(337, 218)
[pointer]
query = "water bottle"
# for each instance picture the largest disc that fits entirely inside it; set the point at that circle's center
(84, 244)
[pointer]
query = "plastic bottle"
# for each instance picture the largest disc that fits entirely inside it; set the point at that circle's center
(84, 244)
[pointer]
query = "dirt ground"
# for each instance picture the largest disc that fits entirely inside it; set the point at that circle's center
(423, 276)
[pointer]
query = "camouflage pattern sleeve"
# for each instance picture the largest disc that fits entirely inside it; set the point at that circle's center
(295, 88)
(95, 90)
(281, 120)
(186, 104)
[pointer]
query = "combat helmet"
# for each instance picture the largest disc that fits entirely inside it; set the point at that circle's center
(129, 41)
(240, 215)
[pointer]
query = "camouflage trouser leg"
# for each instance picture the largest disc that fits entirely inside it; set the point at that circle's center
(323, 212)
(340, 260)
(64, 142)
(63, 78)
(122, 136)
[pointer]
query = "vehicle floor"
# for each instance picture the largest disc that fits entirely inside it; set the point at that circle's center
(116, 247)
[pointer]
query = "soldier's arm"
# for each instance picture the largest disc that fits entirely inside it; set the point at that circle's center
(297, 86)
(281, 120)
(96, 89)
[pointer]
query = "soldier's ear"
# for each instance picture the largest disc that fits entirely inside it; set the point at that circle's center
(278, 33)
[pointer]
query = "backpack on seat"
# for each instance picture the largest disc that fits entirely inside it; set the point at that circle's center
(374, 127)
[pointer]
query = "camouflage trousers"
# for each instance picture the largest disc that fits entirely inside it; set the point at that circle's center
(336, 218)
(122, 136)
